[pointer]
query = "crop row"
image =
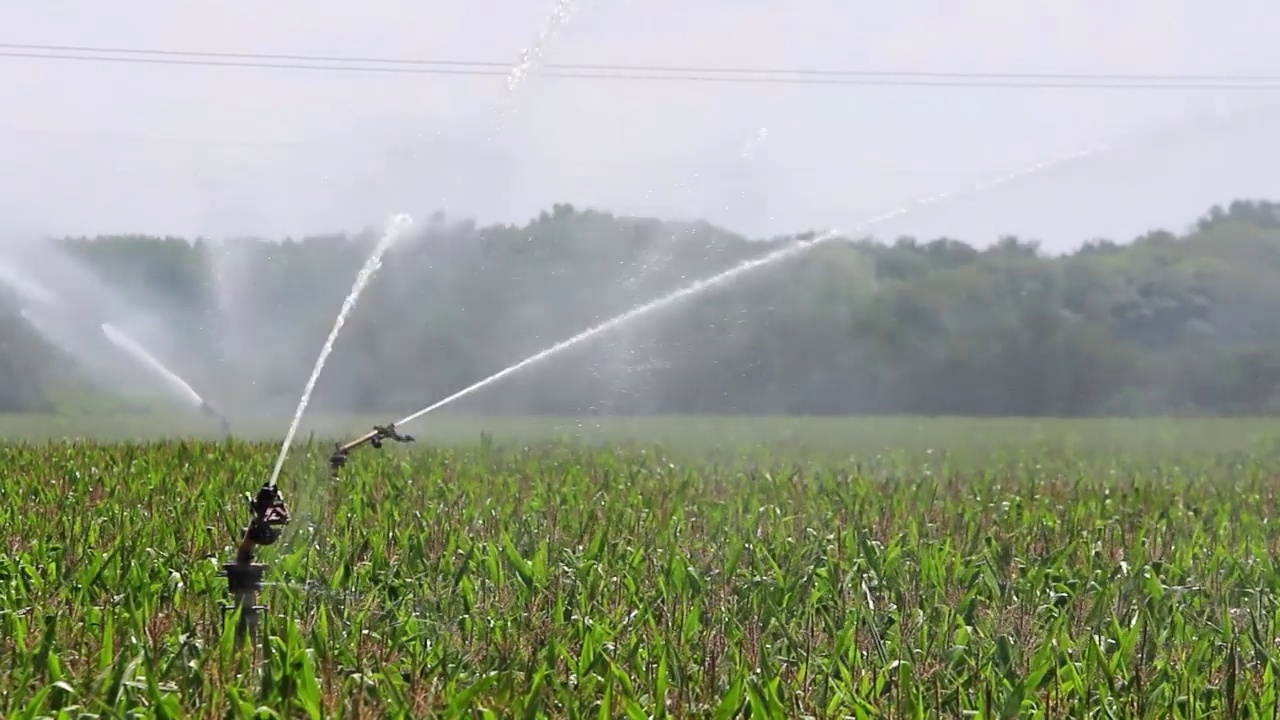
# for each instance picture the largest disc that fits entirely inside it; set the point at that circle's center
(561, 580)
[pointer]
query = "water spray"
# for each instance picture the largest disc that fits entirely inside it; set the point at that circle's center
(399, 224)
(531, 56)
(36, 295)
(725, 276)
(30, 290)
(139, 353)
(267, 509)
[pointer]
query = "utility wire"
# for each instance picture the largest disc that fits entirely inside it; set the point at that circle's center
(648, 73)
(702, 70)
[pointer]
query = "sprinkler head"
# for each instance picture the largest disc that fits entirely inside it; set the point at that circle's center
(338, 459)
(387, 432)
(269, 512)
(380, 434)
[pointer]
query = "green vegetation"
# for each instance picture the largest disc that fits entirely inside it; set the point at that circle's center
(622, 550)
(1171, 323)
(818, 568)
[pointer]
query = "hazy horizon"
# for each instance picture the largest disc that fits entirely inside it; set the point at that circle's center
(101, 147)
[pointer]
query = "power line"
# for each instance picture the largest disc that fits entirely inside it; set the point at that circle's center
(271, 56)
(746, 76)
(680, 69)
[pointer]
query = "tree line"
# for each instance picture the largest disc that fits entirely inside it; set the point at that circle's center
(1185, 323)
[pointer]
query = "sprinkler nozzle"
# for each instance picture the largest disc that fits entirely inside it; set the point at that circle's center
(337, 460)
(388, 432)
(268, 513)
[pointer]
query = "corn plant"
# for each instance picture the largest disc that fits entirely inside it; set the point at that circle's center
(562, 579)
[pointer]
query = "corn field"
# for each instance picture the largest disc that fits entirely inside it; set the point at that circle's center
(564, 580)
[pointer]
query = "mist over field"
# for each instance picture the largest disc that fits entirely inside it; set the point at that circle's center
(570, 161)
(1164, 324)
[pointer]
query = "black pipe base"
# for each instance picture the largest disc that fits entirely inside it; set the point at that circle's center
(244, 582)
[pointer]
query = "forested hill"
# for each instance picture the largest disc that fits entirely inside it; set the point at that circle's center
(1162, 324)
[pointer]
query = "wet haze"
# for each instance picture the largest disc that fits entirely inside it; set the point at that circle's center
(95, 147)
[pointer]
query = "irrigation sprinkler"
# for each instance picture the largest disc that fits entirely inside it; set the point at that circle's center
(267, 512)
(373, 438)
(207, 409)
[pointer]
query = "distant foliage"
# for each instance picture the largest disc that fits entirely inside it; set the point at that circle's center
(1185, 324)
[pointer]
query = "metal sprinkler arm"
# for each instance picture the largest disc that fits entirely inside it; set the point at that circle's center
(374, 438)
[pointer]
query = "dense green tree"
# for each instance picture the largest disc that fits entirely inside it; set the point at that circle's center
(1163, 324)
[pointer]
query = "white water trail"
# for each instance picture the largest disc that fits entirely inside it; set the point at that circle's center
(56, 338)
(747, 266)
(227, 261)
(398, 225)
(531, 56)
(29, 289)
(530, 60)
(131, 346)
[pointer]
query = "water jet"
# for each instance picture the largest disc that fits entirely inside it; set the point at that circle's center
(172, 379)
(267, 510)
(724, 277)
(39, 307)
(30, 290)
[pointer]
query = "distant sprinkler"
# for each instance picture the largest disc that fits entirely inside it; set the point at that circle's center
(207, 409)
(374, 439)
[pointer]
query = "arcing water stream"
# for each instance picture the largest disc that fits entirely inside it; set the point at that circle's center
(395, 228)
(131, 346)
(28, 289)
(34, 293)
(747, 266)
(532, 55)
(520, 72)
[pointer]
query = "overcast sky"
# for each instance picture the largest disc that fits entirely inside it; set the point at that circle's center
(96, 147)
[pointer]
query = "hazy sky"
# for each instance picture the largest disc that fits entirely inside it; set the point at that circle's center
(94, 147)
